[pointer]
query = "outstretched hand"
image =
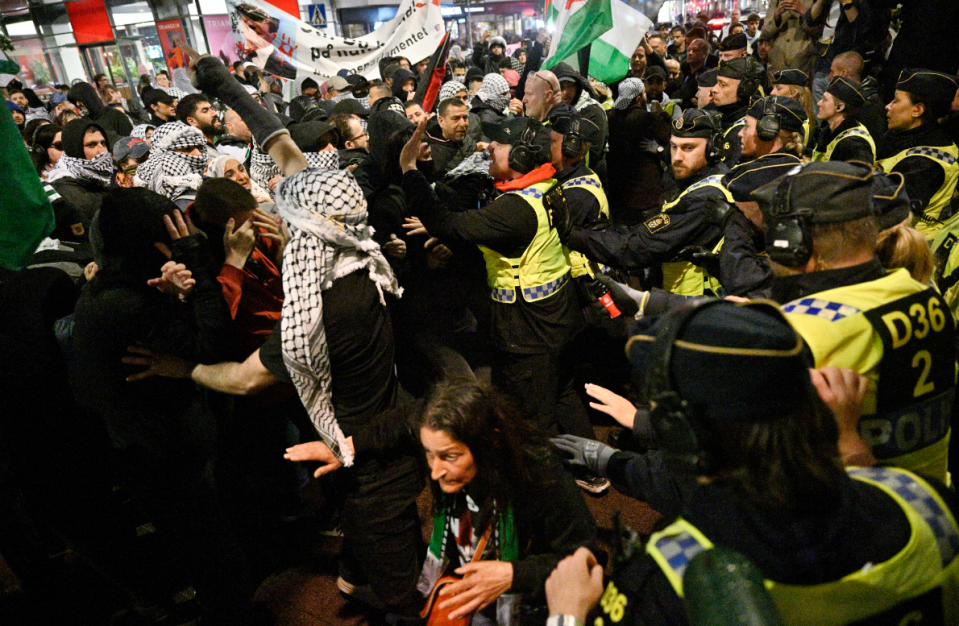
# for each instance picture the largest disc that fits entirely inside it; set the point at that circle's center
(316, 451)
(178, 227)
(413, 148)
(612, 404)
(156, 364)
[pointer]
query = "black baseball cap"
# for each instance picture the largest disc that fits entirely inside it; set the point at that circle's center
(130, 147)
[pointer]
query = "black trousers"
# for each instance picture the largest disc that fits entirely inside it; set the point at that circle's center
(542, 386)
(382, 535)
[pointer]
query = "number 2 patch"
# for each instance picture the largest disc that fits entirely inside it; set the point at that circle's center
(657, 223)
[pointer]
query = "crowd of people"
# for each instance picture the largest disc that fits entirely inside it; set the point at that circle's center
(742, 252)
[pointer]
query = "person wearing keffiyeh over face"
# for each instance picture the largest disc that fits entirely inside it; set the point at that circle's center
(334, 333)
(177, 163)
(85, 171)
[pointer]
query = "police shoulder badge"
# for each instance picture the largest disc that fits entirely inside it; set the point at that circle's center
(657, 223)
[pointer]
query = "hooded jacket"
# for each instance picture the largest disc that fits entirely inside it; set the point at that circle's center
(594, 113)
(399, 77)
(115, 123)
(484, 59)
(84, 195)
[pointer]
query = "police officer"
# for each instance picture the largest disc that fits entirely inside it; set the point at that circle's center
(841, 136)
(535, 312)
(738, 81)
(771, 146)
(793, 83)
(571, 138)
(746, 455)
(821, 229)
(916, 146)
(688, 218)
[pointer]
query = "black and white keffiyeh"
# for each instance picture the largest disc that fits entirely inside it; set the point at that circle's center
(326, 212)
(494, 91)
(99, 170)
(171, 173)
(629, 89)
(140, 131)
(450, 89)
(262, 167)
(328, 159)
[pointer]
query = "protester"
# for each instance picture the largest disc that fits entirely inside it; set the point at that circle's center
(84, 171)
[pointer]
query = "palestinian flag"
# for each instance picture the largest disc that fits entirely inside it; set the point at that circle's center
(26, 216)
(578, 24)
(427, 90)
(609, 55)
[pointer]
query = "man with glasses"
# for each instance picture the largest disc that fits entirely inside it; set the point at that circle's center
(354, 141)
(542, 94)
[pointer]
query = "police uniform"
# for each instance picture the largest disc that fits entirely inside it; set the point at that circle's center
(683, 222)
(877, 546)
(797, 78)
(892, 329)
(749, 72)
(850, 140)
(946, 253)
(535, 313)
(925, 156)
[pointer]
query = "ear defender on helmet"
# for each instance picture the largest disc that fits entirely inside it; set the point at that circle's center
(573, 140)
(768, 126)
(527, 154)
(788, 239)
(752, 79)
(684, 439)
(716, 146)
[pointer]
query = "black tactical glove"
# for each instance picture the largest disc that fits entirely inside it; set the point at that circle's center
(629, 301)
(557, 208)
(698, 255)
(214, 79)
(582, 452)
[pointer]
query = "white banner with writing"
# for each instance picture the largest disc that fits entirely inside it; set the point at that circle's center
(287, 47)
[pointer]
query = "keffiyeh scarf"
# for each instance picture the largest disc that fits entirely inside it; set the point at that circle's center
(140, 131)
(629, 89)
(494, 91)
(217, 169)
(585, 100)
(450, 89)
(99, 170)
(262, 167)
(326, 212)
(170, 173)
(328, 159)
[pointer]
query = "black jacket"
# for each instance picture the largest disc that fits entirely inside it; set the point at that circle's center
(732, 113)
(924, 177)
(635, 169)
(447, 153)
(116, 123)
(853, 148)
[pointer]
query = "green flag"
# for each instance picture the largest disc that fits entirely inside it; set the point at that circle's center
(26, 216)
(578, 23)
(609, 55)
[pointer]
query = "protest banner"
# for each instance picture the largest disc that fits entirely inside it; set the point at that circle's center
(288, 47)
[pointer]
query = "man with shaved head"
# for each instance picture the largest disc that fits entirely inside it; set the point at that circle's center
(236, 141)
(542, 94)
(873, 114)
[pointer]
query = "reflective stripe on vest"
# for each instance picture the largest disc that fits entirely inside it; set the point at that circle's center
(928, 220)
(855, 131)
(541, 270)
(688, 279)
(898, 333)
(919, 582)
(577, 260)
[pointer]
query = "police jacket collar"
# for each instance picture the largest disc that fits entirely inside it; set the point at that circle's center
(826, 135)
(895, 141)
(716, 169)
(789, 288)
(732, 113)
(575, 170)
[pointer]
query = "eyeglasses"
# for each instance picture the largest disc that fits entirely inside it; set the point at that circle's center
(360, 136)
(57, 145)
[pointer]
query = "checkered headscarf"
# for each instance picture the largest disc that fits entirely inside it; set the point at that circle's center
(628, 90)
(494, 91)
(140, 131)
(170, 173)
(99, 170)
(450, 89)
(262, 167)
(326, 160)
(326, 212)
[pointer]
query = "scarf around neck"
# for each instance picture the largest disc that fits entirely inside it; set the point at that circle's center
(326, 212)
(99, 170)
(170, 173)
